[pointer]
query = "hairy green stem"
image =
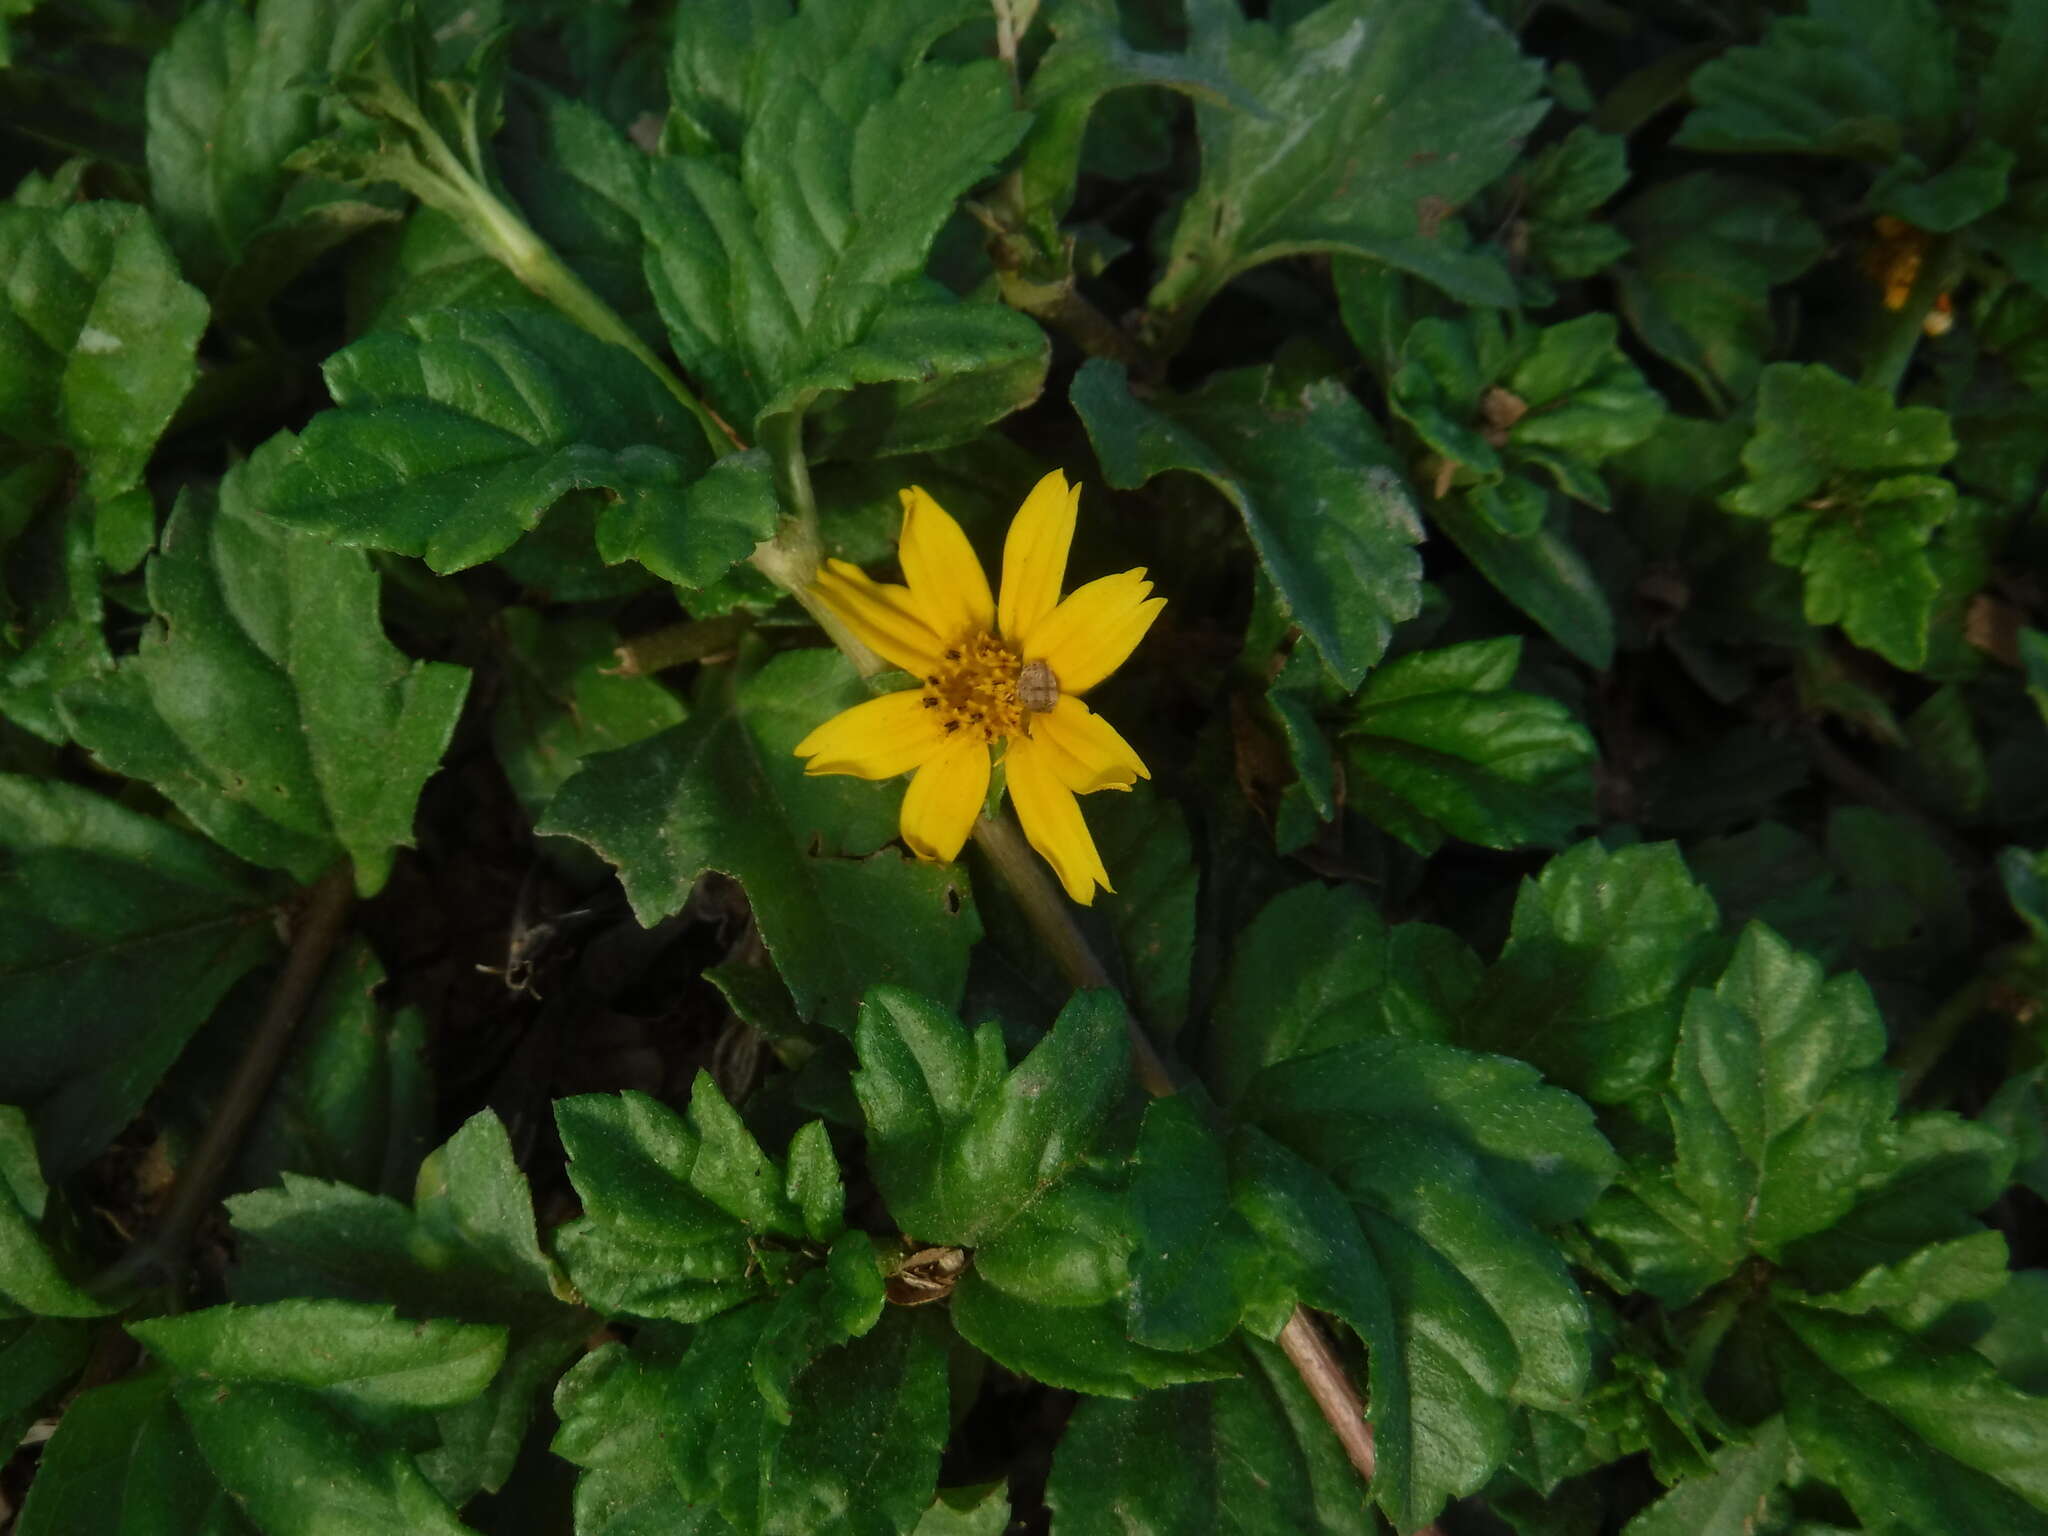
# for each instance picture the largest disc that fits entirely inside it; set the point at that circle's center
(679, 644)
(1939, 268)
(318, 930)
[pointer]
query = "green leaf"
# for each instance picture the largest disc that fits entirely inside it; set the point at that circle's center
(1542, 573)
(1825, 470)
(795, 276)
(725, 791)
(1378, 120)
(1309, 973)
(1878, 82)
(97, 336)
(682, 1221)
(1078, 1348)
(1194, 1255)
(231, 97)
(129, 931)
(1251, 1456)
(1730, 1499)
(1309, 474)
(960, 1143)
(468, 1247)
(1780, 1108)
(1708, 249)
(565, 699)
(582, 187)
(1917, 1293)
(452, 435)
(364, 1360)
(983, 1510)
(280, 1400)
(856, 1450)
(39, 1357)
(123, 1460)
(267, 703)
(1450, 1162)
(1087, 62)
(1593, 979)
(1559, 401)
(32, 1280)
(1562, 187)
(1917, 1438)
(722, 517)
(354, 1102)
(1438, 745)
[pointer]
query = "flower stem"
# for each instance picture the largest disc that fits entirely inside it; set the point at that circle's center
(678, 645)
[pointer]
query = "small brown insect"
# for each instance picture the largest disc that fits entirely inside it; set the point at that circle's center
(1037, 689)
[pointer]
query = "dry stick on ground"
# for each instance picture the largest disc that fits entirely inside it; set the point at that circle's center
(319, 926)
(1306, 1347)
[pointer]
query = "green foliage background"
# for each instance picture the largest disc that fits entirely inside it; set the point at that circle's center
(461, 1075)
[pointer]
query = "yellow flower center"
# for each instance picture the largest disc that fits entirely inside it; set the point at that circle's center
(975, 689)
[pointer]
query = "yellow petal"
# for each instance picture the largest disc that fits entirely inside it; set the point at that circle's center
(881, 614)
(946, 580)
(1035, 555)
(1088, 636)
(1052, 818)
(1086, 751)
(944, 798)
(876, 739)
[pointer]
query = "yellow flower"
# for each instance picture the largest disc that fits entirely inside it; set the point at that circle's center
(1009, 671)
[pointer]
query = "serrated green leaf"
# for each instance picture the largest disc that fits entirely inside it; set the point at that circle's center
(1502, 405)
(960, 1143)
(795, 274)
(1562, 188)
(1592, 981)
(720, 519)
(1083, 1349)
(128, 930)
(681, 1220)
(1194, 1253)
(1917, 1292)
(983, 1510)
(725, 791)
(1087, 62)
(855, 1451)
(1730, 1499)
(1438, 745)
(1825, 466)
(1878, 82)
(231, 97)
(1917, 1438)
(1780, 1110)
(97, 342)
(1450, 1162)
(1305, 976)
(1708, 249)
(582, 186)
(1309, 474)
(267, 704)
(1251, 1456)
(1378, 120)
(365, 1360)
(452, 435)
(1945, 1170)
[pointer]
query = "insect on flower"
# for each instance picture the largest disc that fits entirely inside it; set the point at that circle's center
(1006, 673)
